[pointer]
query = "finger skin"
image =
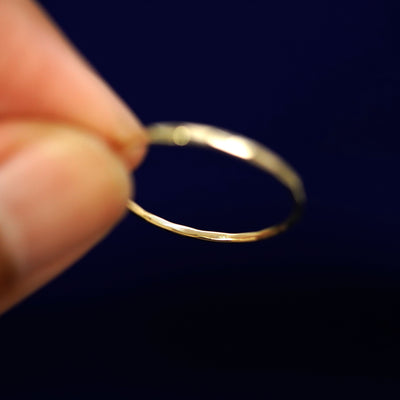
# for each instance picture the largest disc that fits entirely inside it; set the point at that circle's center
(67, 145)
(59, 195)
(42, 76)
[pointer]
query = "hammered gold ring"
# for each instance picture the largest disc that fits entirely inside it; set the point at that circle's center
(190, 134)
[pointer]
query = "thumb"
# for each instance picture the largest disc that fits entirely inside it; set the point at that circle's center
(61, 187)
(61, 190)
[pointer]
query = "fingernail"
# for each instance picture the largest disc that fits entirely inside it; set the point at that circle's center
(56, 193)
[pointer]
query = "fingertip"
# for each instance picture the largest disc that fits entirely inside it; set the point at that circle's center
(61, 193)
(43, 76)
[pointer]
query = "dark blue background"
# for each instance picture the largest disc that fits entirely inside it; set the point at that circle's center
(312, 313)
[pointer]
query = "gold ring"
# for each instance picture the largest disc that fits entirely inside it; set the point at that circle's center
(182, 134)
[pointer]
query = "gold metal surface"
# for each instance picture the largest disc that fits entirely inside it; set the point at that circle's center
(188, 134)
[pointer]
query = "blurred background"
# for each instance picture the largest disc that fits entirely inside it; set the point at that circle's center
(313, 313)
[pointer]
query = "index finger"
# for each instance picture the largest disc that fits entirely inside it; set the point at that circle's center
(43, 76)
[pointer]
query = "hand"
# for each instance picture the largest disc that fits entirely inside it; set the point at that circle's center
(67, 144)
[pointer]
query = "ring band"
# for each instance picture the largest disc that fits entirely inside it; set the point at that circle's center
(182, 134)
